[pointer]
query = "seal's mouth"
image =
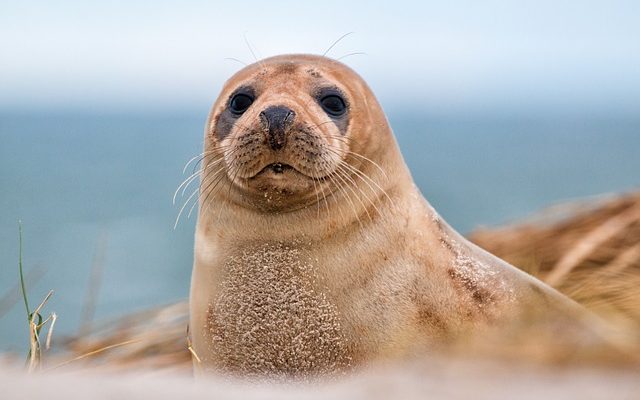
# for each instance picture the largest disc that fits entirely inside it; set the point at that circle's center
(278, 168)
(282, 173)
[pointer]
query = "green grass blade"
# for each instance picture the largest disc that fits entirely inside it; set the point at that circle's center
(24, 290)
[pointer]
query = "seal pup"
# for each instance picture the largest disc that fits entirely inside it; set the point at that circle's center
(314, 250)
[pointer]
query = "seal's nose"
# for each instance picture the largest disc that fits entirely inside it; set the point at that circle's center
(277, 119)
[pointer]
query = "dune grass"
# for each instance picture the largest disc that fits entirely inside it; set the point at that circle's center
(590, 252)
(34, 318)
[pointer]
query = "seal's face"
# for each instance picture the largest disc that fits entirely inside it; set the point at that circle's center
(280, 132)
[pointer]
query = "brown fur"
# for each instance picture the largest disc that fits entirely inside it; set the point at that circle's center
(340, 261)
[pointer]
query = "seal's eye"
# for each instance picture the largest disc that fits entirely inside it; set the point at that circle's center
(240, 103)
(333, 105)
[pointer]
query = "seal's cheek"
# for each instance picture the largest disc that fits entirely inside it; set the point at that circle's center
(223, 125)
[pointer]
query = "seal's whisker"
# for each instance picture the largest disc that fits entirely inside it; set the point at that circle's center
(187, 182)
(198, 191)
(349, 152)
(226, 200)
(336, 201)
(253, 53)
(220, 148)
(194, 158)
(246, 130)
(325, 145)
(353, 153)
(209, 189)
(324, 197)
(323, 123)
(195, 203)
(344, 177)
(183, 207)
(335, 43)
(343, 139)
(366, 178)
(342, 154)
(315, 190)
(213, 163)
(215, 176)
(369, 181)
(357, 53)
(346, 195)
(237, 60)
(215, 181)
(233, 180)
(373, 204)
(203, 155)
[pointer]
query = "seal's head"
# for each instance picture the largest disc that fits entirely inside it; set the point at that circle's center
(283, 129)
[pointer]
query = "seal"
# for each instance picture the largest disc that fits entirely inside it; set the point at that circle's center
(315, 251)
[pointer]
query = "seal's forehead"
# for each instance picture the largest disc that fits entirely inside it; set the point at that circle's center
(288, 66)
(298, 69)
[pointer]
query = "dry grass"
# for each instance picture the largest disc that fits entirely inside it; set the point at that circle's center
(591, 253)
(154, 339)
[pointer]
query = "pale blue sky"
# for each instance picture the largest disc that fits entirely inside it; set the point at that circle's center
(471, 56)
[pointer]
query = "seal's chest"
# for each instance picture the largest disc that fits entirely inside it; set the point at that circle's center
(270, 318)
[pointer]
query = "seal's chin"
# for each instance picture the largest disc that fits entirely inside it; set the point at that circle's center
(277, 187)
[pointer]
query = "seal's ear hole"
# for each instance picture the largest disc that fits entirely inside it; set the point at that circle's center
(240, 103)
(333, 105)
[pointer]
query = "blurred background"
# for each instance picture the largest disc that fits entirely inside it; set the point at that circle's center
(500, 108)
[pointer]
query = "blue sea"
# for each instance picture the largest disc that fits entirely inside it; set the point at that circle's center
(97, 189)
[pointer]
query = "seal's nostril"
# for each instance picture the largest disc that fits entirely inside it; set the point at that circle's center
(264, 119)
